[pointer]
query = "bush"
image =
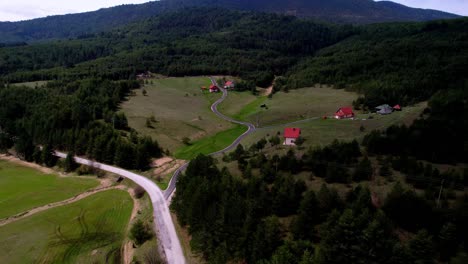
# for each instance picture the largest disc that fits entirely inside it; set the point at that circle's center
(140, 233)
(139, 192)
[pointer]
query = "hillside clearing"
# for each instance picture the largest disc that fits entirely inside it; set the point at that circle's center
(180, 110)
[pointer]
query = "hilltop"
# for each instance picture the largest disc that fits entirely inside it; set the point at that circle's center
(335, 11)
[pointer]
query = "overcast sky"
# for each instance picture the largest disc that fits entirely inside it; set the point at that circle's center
(14, 10)
(453, 6)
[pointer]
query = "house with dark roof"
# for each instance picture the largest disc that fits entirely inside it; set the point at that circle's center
(291, 134)
(344, 112)
(384, 109)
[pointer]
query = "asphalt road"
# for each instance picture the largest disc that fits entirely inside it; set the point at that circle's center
(214, 107)
(167, 236)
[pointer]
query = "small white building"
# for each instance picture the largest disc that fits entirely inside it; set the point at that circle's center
(291, 134)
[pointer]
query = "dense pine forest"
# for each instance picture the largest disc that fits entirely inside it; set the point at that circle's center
(268, 215)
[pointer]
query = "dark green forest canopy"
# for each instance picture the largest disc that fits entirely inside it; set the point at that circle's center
(393, 63)
(189, 42)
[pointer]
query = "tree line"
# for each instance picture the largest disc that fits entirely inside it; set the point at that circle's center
(80, 117)
(244, 219)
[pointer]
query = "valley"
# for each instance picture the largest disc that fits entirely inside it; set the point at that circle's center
(200, 131)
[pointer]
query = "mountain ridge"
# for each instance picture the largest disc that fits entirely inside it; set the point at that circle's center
(335, 11)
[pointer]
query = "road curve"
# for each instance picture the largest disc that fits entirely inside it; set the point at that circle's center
(163, 223)
(214, 108)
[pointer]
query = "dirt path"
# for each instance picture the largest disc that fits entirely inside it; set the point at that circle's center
(128, 250)
(39, 209)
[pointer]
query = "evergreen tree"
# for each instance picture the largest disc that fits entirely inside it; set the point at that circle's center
(364, 171)
(421, 248)
(308, 216)
(70, 163)
(48, 157)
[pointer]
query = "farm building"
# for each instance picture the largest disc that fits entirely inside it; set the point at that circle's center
(397, 108)
(214, 88)
(384, 109)
(291, 134)
(229, 85)
(344, 112)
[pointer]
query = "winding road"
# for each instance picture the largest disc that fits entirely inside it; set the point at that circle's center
(163, 223)
(214, 108)
(167, 236)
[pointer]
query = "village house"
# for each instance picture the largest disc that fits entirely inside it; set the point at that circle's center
(145, 75)
(229, 85)
(214, 88)
(291, 134)
(384, 109)
(397, 107)
(344, 112)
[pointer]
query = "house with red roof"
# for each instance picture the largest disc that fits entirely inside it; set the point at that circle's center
(397, 107)
(229, 85)
(214, 88)
(344, 112)
(291, 134)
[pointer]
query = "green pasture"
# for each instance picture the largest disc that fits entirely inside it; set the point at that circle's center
(24, 188)
(181, 109)
(88, 231)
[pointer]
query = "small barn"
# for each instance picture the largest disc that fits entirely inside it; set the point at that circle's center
(214, 88)
(384, 109)
(229, 85)
(344, 112)
(291, 134)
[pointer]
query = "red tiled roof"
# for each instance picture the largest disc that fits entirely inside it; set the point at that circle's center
(398, 107)
(345, 111)
(228, 83)
(213, 87)
(292, 132)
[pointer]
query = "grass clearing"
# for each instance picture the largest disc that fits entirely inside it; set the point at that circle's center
(180, 108)
(321, 132)
(88, 231)
(31, 84)
(210, 144)
(287, 107)
(24, 188)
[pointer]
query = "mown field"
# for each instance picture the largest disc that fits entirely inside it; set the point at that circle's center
(24, 188)
(286, 107)
(88, 231)
(180, 109)
(320, 132)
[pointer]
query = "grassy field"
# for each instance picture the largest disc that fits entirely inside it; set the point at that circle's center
(24, 188)
(321, 132)
(180, 108)
(88, 231)
(210, 144)
(31, 84)
(286, 107)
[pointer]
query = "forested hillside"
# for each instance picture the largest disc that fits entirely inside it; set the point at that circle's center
(393, 63)
(189, 42)
(341, 11)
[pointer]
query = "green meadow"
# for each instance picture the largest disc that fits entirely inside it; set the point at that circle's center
(88, 231)
(24, 188)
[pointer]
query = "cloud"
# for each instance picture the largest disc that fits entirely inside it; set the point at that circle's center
(16, 10)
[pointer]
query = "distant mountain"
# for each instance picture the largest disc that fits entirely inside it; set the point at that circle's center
(337, 11)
